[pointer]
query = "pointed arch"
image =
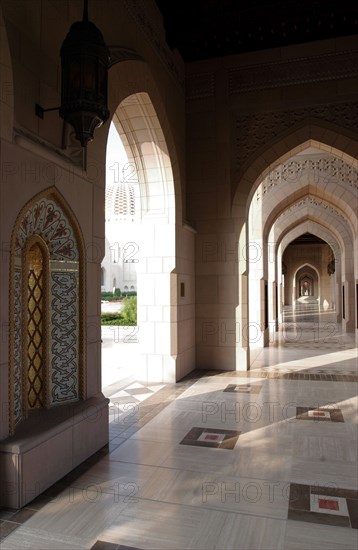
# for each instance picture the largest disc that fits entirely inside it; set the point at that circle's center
(303, 267)
(132, 79)
(309, 225)
(306, 200)
(46, 226)
(281, 148)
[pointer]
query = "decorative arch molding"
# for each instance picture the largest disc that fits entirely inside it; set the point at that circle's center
(135, 77)
(139, 128)
(143, 125)
(308, 281)
(273, 142)
(303, 267)
(303, 276)
(327, 168)
(51, 295)
(313, 204)
(316, 228)
(316, 197)
(309, 226)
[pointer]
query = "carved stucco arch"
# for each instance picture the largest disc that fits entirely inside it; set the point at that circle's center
(343, 209)
(315, 228)
(303, 200)
(283, 145)
(275, 232)
(302, 268)
(308, 224)
(48, 218)
(132, 77)
(134, 81)
(150, 170)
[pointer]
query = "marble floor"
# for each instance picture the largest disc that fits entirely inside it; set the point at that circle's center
(265, 459)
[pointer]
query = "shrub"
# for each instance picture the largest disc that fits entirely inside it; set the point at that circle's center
(126, 317)
(110, 296)
(111, 319)
(106, 294)
(129, 311)
(127, 293)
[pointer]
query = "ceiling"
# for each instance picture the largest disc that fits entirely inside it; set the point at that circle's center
(308, 238)
(203, 29)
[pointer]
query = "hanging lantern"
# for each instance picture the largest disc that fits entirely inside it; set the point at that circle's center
(84, 62)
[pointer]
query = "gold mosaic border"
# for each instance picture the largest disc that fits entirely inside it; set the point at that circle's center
(34, 239)
(51, 193)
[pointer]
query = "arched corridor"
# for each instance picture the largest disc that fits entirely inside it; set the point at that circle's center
(222, 457)
(282, 261)
(218, 408)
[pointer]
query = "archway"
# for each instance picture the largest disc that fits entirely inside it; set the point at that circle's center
(333, 266)
(306, 284)
(141, 193)
(47, 251)
(167, 330)
(294, 184)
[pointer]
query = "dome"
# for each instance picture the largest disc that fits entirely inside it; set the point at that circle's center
(120, 200)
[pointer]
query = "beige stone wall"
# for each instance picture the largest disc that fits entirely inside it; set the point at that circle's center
(245, 115)
(225, 122)
(39, 153)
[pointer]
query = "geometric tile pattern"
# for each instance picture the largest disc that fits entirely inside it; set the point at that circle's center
(17, 340)
(325, 505)
(312, 377)
(211, 437)
(126, 404)
(35, 362)
(133, 393)
(243, 388)
(103, 545)
(314, 504)
(319, 414)
(64, 336)
(348, 174)
(47, 219)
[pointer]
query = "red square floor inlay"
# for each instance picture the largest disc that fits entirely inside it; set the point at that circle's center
(211, 437)
(328, 504)
(318, 413)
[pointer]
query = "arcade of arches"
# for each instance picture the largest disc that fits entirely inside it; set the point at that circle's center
(244, 184)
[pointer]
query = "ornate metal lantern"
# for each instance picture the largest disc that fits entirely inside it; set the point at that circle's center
(85, 63)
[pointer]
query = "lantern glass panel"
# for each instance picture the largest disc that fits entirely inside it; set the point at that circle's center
(89, 75)
(74, 75)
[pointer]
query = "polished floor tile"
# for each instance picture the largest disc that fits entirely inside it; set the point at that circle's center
(165, 482)
(312, 536)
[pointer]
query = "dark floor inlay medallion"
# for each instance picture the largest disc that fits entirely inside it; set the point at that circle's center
(325, 505)
(103, 545)
(211, 437)
(243, 388)
(319, 414)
